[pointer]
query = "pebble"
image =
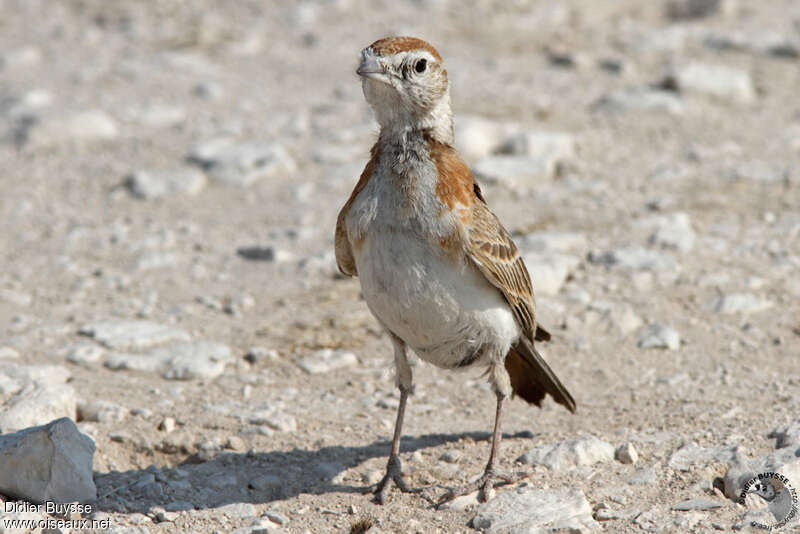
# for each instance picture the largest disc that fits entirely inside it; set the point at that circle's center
(15, 297)
(84, 354)
(625, 320)
(717, 81)
(83, 126)
(274, 420)
(513, 171)
(674, 231)
(280, 519)
(150, 184)
(551, 147)
(536, 510)
(787, 435)
(699, 503)
(167, 425)
(568, 454)
(125, 335)
(40, 395)
(183, 361)
(52, 462)
(659, 336)
(634, 258)
(741, 303)
(160, 116)
(552, 241)
(101, 412)
(451, 456)
(644, 476)
(690, 455)
(551, 270)
(25, 56)
(8, 353)
(265, 253)
(241, 164)
(477, 137)
(327, 360)
(626, 454)
(692, 9)
(239, 509)
(638, 99)
(261, 354)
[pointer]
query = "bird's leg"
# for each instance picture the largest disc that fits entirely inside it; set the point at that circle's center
(491, 477)
(393, 467)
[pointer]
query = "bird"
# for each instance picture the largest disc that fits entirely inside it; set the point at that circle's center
(437, 269)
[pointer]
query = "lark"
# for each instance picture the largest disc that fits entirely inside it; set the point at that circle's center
(437, 269)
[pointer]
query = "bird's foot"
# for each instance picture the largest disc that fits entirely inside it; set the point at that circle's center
(394, 477)
(484, 485)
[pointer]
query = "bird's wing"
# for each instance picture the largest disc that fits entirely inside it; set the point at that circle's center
(490, 247)
(342, 245)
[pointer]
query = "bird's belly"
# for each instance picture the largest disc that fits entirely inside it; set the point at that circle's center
(438, 303)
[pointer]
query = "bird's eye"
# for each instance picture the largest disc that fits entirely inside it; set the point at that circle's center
(421, 65)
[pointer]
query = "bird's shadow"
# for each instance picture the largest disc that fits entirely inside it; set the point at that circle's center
(253, 477)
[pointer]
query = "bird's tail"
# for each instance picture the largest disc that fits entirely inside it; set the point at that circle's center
(531, 377)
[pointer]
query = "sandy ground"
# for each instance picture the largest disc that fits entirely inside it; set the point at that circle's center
(79, 247)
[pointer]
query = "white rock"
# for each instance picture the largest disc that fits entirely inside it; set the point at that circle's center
(8, 353)
(660, 336)
(691, 9)
(552, 242)
(626, 454)
(124, 335)
(553, 147)
(84, 354)
(238, 509)
(274, 420)
(717, 81)
(691, 455)
(626, 320)
(699, 503)
(40, 394)
(514, 170)
(26, 56)
(477, 137)
(241, 164)
(741, 303)
(564, 455)
(182, 361)
(161, 116)
(674, 231)
(15, 297)
(101, 412)
(326, 360)
(535, 510)
(641, 99)
(92, 125)
(634, 258)
(161, 183)
(48, 463)
(549, 271)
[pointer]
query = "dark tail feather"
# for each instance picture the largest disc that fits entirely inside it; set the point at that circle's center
(532, 378)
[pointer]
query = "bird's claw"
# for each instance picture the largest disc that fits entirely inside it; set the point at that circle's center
(484, 485)
(394, 477)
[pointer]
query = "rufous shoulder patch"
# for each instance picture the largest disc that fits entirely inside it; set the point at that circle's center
(392, 45)
(454, 184)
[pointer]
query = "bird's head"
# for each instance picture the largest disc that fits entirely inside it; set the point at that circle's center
(405, 83)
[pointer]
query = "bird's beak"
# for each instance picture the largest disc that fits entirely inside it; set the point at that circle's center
(370, 67)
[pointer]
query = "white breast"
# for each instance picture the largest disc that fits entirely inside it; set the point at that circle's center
(438, 303)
